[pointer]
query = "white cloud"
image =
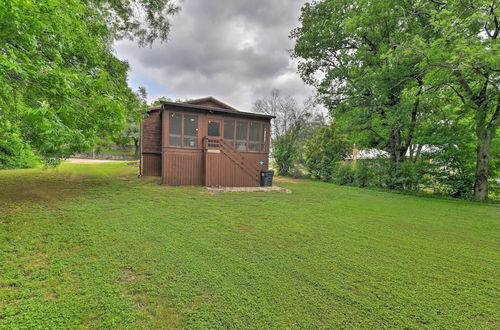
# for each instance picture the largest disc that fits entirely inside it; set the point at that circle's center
(236, 51)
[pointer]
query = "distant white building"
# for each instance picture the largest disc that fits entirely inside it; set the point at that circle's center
(374, 153)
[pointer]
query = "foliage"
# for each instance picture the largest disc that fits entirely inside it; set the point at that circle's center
(351, 59)
(343, 175)
(142, 20)
(292, 125)
(380, 173)
(110, 250)
(61, 86)
(14, 153)
(364, 174)
(324, 150)
(132, 131)
(463, 57)
(285, 151)
(382, 67)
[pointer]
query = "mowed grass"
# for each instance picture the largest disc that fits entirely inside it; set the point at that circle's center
(93, 246)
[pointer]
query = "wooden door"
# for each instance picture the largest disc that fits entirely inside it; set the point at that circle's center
(214, 128)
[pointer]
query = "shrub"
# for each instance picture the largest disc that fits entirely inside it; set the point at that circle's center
(452, 170)
(363, 174)
(344, 174)
(285, 152)
(14, 153)
(324, 151)
(402, 176)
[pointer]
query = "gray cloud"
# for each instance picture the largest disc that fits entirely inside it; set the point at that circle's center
(236, 51)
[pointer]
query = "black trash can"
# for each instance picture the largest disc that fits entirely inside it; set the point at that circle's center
(266, 178)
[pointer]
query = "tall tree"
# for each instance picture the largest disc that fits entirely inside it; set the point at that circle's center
(377, 65)
(61, 86)
(292, 125)
(132, 131)
(288, 112)
(348, 51)
(464, 56)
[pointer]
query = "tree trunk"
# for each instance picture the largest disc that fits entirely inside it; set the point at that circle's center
(396, 152)
(137, 148)
(485, 131)
(484, 137)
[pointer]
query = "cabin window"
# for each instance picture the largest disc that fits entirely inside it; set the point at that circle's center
(241, 135)
(245, 136)
(229, 131)
(175, 130)
(213, 128)
(183, 130)
(190, 131)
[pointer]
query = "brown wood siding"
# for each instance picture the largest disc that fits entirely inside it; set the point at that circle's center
(182, 167)
(151, 133)
(151, 164)
(222, 171)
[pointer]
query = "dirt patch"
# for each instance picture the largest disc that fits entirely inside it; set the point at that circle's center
(245, 228)
(51, 295)
(288, 180)
(17, 196)
(88, 161)
(198, 300)
(249, 189)
(128, 275)
(39, 261)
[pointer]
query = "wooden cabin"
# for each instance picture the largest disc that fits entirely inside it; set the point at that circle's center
(204, 142)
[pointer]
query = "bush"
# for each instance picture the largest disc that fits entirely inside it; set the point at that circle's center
(344, 175)
(14, 153)
(363, 174)
(452, 170)
(324, 151)
(400, 176)
(285, 153)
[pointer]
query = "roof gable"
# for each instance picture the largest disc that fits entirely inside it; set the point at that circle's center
(211, 102)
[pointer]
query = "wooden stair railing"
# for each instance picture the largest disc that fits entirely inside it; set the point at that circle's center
(253, 171)
(233, 155)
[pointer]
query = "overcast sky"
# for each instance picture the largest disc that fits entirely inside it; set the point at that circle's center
(233, 50)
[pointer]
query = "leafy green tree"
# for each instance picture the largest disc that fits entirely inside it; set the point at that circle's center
(14, 153)
(379, 65)
(142, 20)
(132, 132)
(285, 150)
(347, 51)
(292, 125)
(324, 151)
(464, 56)
(61, 87)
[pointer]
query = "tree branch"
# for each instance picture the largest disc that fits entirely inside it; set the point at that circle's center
(465, 85)
(458, 94)
(495, 120)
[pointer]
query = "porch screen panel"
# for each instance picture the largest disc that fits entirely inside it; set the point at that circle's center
(190, 131)
(229, 131)
(175, 130)
(254, 136)
(241, 135)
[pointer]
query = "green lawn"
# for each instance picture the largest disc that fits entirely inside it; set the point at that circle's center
(93, 246)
